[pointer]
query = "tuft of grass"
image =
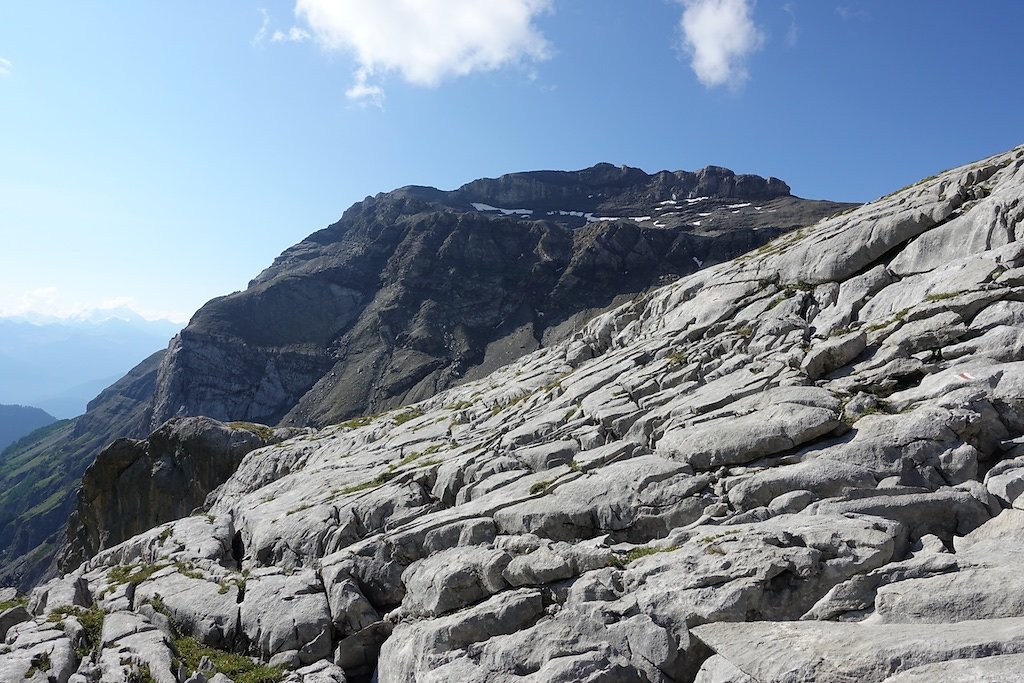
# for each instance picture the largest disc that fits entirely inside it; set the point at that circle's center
(238, 668)
(410, 414)
(676, 358)
(262, 431)
(304, 506)
(416, 455)
(460, 405)
(357, 422)
(40, 663)
(941, 296)
(92, 623)
(133, 574)
(189, 570)
(9, 604)
(541, 486)
(165, 534)
(225, 584)
(379, 480)
(637, 553)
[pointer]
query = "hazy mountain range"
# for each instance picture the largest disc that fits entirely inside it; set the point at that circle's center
(59, 365)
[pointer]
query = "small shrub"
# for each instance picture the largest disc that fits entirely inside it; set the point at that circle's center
(92, 623)
(637, 553)
(41, 662)
(541, 486)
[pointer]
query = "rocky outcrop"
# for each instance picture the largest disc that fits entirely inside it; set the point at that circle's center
(775, 469)
(415, 290)
(134, 485)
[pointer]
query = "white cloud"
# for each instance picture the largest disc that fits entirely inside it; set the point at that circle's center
(425, 41)
(793, 33)
(720, 35)
(293, 35)
(5, 67)
(261, 34)
(365, 93)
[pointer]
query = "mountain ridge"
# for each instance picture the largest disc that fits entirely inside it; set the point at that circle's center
(399, 270)
(821, 438)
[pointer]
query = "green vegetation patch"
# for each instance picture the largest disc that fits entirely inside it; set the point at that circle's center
(92, 623)
(237, 667)
(264, 432)
(942, 296)
(541, 486)
(416, 455)
(17, 602)
(40, 663)
(636, 553)
(408, 415)
(379, 480)
(133, 574)
(357, 422)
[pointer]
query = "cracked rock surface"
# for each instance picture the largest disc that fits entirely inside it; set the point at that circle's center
(802, 464)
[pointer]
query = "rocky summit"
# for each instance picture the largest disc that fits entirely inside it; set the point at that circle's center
(409, 293)
(802, 464)
(415, 290)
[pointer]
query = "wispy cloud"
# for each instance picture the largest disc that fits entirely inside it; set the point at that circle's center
(847, 12)
(428, 41)
(363, 93)
(720, 35)
(793, 32)
(5, 67)
(292, 35)
(261, 34)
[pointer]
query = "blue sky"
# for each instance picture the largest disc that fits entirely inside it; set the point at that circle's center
(161, 154)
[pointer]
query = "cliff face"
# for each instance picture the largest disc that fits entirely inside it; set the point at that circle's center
(415, 290)
(136, 484)
(801, 464)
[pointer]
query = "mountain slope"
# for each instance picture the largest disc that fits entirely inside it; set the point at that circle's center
(410, 292)
(826, 430)
(414, 290)
(39, 473)
(17, 421)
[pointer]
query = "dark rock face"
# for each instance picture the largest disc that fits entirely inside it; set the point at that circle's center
(136, 484)
(415, 290)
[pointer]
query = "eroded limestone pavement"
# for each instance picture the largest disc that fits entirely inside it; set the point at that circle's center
(804, 464)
